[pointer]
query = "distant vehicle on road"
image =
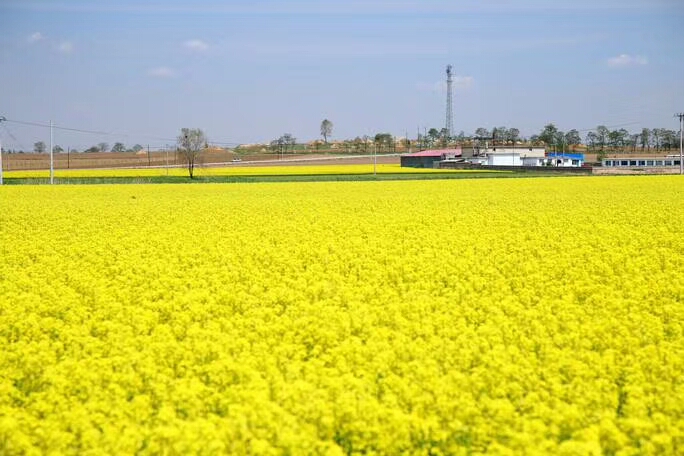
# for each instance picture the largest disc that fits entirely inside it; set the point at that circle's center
(236, 160)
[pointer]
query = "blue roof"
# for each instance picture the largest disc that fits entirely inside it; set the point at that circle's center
(566, 155)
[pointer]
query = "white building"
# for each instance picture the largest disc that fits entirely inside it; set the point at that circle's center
(504, 159)
(522, 151)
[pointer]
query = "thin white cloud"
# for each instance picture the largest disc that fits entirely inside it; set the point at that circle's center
(463, 82)
(196, 45)
(65, 47)
(626, 60)
(161, 72)
(35, 37)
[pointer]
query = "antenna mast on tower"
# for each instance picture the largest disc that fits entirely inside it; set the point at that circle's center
(449, 110)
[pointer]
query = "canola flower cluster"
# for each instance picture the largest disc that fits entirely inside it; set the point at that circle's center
(273, 170)
(497, 316)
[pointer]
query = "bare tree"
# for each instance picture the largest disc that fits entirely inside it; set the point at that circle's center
(39, 147)
(326, 129)
(191, 141)
(513, 135)
(592, 140)
(645, 139)
(103, 147)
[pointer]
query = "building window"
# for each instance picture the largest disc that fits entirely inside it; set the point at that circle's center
(668, 162)
(632, 163)
(649, 162)
(624, 163)
(642, 162)
(659, 163)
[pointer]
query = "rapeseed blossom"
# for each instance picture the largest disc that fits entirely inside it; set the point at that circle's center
(502, 316)
(241, 171)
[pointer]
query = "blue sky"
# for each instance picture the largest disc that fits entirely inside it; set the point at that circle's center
(250, 71)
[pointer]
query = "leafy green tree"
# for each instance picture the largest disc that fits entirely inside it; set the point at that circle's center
(118, 147)
(57, 149)
(572, 138)
(39, 147)
(549, 135)
(384, 141)
(432, 137)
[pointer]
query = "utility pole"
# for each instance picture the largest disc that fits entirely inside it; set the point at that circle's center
(681, 140)
(52, 166)
(2, 119)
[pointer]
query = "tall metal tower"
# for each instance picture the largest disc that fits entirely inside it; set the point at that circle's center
(449, 105)
(681, 141)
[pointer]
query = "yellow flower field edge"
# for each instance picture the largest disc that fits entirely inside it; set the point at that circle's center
(485, 316)
(290, 170)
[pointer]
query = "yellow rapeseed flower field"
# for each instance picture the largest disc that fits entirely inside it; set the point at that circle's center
(498, 316)
(275, 170)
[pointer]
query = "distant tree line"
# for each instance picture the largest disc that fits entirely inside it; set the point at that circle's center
(600, 140)
(40, 148)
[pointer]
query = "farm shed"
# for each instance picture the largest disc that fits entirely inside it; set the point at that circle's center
(429, 158)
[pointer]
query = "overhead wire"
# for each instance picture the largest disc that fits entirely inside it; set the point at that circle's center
(16, 141)
(106, 133)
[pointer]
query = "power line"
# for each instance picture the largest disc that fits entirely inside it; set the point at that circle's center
(610, 126)
(106, 133)
(16, 141)
(38, 124)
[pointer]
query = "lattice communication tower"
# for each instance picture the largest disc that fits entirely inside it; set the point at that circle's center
(449, 104)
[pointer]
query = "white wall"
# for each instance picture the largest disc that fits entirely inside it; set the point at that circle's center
(533, 161)
(467, 151)
(566, 162)
(501, 159)
(524, 152)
